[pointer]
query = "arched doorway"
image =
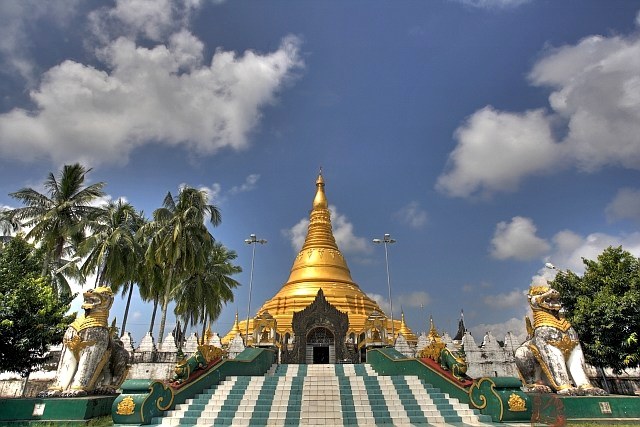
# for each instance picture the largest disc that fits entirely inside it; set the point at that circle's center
(321, 346)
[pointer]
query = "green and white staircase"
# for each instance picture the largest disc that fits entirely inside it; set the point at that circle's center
(327, 395)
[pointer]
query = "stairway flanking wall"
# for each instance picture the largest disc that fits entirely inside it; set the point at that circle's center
(327, 395)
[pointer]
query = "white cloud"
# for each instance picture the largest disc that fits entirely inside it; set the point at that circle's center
(165, 94)
(214, 192)
(496, 149)
(597, 91)
(515, 298)
(625, 205)
(414, 299)
(151, 19)
(494, 4)
(297, 233)
(412, 215)
(595, 110)
(346, 240)
(517, 239)
(569, 248)
(248, 184)
(17, 17)
(499, 330)
(382, 302)
(217, 195)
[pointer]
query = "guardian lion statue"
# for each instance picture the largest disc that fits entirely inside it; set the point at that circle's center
(93, 361)
(551, 359)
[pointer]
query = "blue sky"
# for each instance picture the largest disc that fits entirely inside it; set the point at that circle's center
(486, 136)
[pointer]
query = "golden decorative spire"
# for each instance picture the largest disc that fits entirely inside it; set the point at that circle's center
(433, 332)
(319, 265)
(406, 332)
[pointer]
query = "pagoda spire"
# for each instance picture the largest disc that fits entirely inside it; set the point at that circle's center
(236, 327)
(461, 328)
(320, 233)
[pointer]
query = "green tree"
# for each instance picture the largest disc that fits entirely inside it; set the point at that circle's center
(58, 217)
(32, 314)
(179, 241)
(7, 224)
(604, 307)
(112, 250)
(201, 296)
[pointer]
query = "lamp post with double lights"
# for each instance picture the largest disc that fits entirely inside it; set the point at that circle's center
(252, 240)
(387, 240)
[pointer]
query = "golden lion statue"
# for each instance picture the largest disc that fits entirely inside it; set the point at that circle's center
(551, 359)
(92, 360)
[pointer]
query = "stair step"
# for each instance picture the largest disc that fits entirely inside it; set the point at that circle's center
(322, 395)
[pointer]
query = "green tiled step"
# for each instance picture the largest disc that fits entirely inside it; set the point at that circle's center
(354, 394)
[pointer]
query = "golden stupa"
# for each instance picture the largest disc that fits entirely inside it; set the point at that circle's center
(320, 265)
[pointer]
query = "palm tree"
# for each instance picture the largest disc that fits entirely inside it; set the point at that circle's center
(113, 251)
(58, 217)
(7, 223)
(179, 240)
(150, 285)
(200, 297)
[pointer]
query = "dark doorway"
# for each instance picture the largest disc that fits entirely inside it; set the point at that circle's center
(320, 355)
(320, 346)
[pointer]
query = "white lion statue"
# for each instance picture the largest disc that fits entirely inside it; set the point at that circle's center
(551, 359)
(92, 360)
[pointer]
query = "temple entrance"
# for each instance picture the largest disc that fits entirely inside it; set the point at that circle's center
(321, 346)
(320, 332)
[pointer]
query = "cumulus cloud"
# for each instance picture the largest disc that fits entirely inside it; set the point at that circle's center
(569, 248)
(17, 17)
(517, 239)
(165, 94)
(151, 19)
(594, 112)
(342, 231)
(625, 205)
(412, 215)
(496, 149)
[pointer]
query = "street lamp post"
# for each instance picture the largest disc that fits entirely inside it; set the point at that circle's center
(252, 240)
(387, 240)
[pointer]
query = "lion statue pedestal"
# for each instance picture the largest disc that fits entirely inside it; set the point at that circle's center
(551, 359)
(92, 360)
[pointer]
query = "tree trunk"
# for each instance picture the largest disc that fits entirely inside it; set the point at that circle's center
(184, 334)
(126, 310)
(204, 324)
(204, 332)
(163, 319)
(24, 386)
(165, 305)
(153, 316)
(605, 383)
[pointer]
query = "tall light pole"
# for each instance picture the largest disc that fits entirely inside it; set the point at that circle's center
(387, 240)
(252, 240)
